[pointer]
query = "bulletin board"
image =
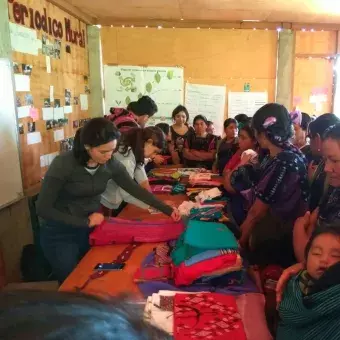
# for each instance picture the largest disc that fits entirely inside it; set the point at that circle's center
(62, 38)
(314, 71)
(230, 58)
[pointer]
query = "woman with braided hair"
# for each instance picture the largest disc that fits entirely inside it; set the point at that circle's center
(281, 193)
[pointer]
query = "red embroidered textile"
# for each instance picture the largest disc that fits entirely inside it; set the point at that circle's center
(234, 161)
(144, 274)
(186, 275)
(116, 230)
(207, 316)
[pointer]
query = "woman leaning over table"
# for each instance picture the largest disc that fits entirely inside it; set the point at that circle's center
(69, 199)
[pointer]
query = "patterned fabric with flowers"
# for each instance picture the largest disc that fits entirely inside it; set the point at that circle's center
(207, 316)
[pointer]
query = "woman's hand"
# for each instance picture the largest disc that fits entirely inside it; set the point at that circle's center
(176, 216)
(285, 277)
(95, 219)
(158, 159)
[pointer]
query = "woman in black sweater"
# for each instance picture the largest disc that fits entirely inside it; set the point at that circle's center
(69, 199)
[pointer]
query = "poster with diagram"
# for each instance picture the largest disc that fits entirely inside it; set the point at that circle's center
(124, 84)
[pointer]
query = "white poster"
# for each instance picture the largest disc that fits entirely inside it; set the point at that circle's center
(24, 39)
(33, 138)
(47, 113)
(245, 102)
(48, 64)
(67, 109)
(124, 84)
(22, 83)
(51, 93)
(84, 105)
(58, 113)
(206, 100)
(23, 111)
(58, 135)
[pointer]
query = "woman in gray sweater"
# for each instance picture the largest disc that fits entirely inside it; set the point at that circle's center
(69, 199)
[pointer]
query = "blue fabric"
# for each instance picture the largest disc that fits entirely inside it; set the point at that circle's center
(202, 256)
(209, 235)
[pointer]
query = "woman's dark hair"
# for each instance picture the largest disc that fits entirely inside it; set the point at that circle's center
(274, 121)
(178, 109)
(306, 119)
(59, 316)
(201, 117)
(332, 132)
(164, 127)
(333, 229)
(248, 129)
(210, 122)
(135, 139)
(321, 124)
(143, 106)
(242, 118)
(229, 121)
(95, 132)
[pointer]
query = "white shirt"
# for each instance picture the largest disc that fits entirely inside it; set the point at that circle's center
(114, 195)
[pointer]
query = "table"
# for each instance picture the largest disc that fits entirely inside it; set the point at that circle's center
(114, 283)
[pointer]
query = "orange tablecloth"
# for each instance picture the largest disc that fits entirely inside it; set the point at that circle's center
(116, 282)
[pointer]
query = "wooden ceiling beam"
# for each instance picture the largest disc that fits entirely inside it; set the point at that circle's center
(117, 22)
(75, 11)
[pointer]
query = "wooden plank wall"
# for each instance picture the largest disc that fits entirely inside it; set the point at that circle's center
(313, 70)
(67, 73)
(216, 57)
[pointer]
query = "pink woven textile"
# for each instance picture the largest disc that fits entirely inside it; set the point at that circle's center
(116, 230)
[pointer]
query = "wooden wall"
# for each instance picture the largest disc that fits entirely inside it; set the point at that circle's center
(67, 73)
(216, 57)
(313, 71)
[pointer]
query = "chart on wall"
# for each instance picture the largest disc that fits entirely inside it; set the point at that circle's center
(245, 102)
(125, 84)
(206, 100)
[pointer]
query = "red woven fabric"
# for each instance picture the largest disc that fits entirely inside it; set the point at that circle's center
(186, 275)
(116, 230)
(207, 316)
(234, 161)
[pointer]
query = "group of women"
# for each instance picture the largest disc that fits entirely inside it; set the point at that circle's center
(281, 174)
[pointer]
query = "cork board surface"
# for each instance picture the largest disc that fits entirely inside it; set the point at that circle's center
(69, 72)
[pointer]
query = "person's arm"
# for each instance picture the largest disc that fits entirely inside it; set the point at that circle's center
(174, 154)
(189, 154)
(255, 214)
(54, 181)
(124, 180)
(204, 155)
(142, 178)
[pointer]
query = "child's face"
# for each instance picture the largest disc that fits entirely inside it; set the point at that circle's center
(324, 253)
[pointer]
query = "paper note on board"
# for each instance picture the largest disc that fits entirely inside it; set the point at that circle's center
(33, 138)
(58, 113)
(245, 102)
(22, 83)
(51, 93)
(24, 39)
(206, 100)
(58, 135)
(47, 113)
(46, 160)
(83, 102)
(48, 64)
(68, 109)
(34, 113)
(23, 111)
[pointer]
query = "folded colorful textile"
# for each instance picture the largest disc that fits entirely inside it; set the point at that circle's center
(158, 189)
(164, 180)
(185, 275)
(144, 274)
(116, 230)
(207, 316)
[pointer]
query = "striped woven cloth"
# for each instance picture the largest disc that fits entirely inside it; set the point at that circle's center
(309, 317)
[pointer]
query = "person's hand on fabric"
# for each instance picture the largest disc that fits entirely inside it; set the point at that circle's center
(285, 277)
(158, 159)
(176, 216)
(95, 219)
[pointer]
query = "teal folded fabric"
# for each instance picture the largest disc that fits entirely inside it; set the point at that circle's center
(209, 235)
